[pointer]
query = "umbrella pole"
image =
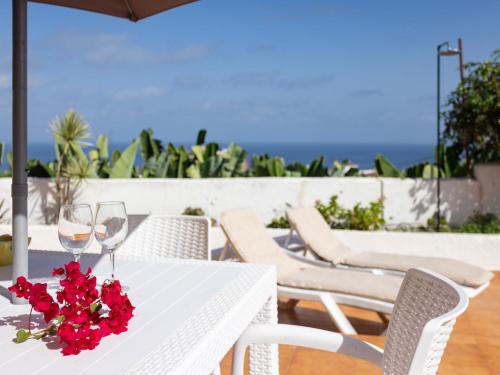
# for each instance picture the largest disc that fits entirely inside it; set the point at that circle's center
(19, 141)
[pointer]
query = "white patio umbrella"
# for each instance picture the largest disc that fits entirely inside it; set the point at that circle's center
(133, 10)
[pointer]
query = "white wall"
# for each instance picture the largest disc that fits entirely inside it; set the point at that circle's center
(409, 201)
(488, 176)
(478, 249)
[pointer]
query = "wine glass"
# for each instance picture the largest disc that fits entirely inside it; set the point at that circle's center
(75, 228)
(111, 228)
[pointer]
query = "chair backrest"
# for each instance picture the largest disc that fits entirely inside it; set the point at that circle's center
(317, 234)
(161, 236)
(421, 323)
(253, 243)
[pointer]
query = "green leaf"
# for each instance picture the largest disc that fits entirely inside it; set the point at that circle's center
(385, 168)
(22, 336)
(95, 307)
(198, 152)
(93, 155)
(124, 166)
(200, 139)
(193, 171)
(150, 147)
(115, 156)
(102, 146)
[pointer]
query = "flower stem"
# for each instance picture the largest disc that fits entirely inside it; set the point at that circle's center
(29, 321)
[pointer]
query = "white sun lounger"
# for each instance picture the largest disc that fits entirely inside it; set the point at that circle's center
(322, 242)
(299, 281)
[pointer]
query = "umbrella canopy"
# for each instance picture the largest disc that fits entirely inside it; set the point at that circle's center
(133, 10)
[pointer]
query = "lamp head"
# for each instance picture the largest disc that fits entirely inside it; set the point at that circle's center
(449, 52)
(445, 50)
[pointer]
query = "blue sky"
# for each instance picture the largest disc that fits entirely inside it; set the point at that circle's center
(274, 71)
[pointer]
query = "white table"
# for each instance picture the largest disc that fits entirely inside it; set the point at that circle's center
(188, 315)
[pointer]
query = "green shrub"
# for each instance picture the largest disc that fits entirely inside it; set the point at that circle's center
(194, 211)
(279, 222)
(358, 218)
(432, 224)
(481, 223)
(477, 223)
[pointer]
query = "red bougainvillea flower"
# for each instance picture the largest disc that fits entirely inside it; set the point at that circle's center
(22, 287)
(121, 309)
(83, 314)
(78, 339)
(111, 293)
(43, 302)
(58, 271)
(75, 314)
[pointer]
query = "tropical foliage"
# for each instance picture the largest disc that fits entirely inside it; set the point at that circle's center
(477, 223)
(472, 118)
(338, 217)
(77, 158)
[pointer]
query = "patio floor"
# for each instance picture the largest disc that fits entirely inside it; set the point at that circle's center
(474, 347)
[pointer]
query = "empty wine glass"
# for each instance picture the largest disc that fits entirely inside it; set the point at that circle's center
(111, 228)
(75, 228)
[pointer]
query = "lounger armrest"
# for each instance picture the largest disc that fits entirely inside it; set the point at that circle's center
(306, 337)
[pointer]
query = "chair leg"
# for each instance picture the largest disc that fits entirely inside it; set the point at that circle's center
(337, 315)
(223, 253)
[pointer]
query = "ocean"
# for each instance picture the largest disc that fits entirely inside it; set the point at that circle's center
(402, 155)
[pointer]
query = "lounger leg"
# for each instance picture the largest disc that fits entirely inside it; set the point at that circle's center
(288, 305)
(288, 238)
(223, 253)
(263, 358)
(383, 318)
(337, 315)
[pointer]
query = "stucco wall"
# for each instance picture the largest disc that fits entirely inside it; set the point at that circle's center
(480, 249)
(409, 201)
(489, 177)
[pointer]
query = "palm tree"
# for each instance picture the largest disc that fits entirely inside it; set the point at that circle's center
(70, 133)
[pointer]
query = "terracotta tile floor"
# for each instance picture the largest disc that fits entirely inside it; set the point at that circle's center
(474, 347)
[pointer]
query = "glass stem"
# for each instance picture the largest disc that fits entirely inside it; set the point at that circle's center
(77, 258)
(112, 259)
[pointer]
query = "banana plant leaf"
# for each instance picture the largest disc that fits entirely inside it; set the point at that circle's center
(385, 168)
(124, 166)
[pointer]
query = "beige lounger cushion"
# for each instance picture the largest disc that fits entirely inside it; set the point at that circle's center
(458, 271)
(320, 239)
(363, 284)
(252, 242)
(317, 235)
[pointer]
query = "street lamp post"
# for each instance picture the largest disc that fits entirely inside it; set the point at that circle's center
(443, 49)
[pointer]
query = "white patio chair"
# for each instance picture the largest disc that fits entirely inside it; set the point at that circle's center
(156, 237)
(160, 236)
(424, 314)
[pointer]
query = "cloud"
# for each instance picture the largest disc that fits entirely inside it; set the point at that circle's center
(126, 95)
(284, 83)
(364, 93)
(108, 48)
